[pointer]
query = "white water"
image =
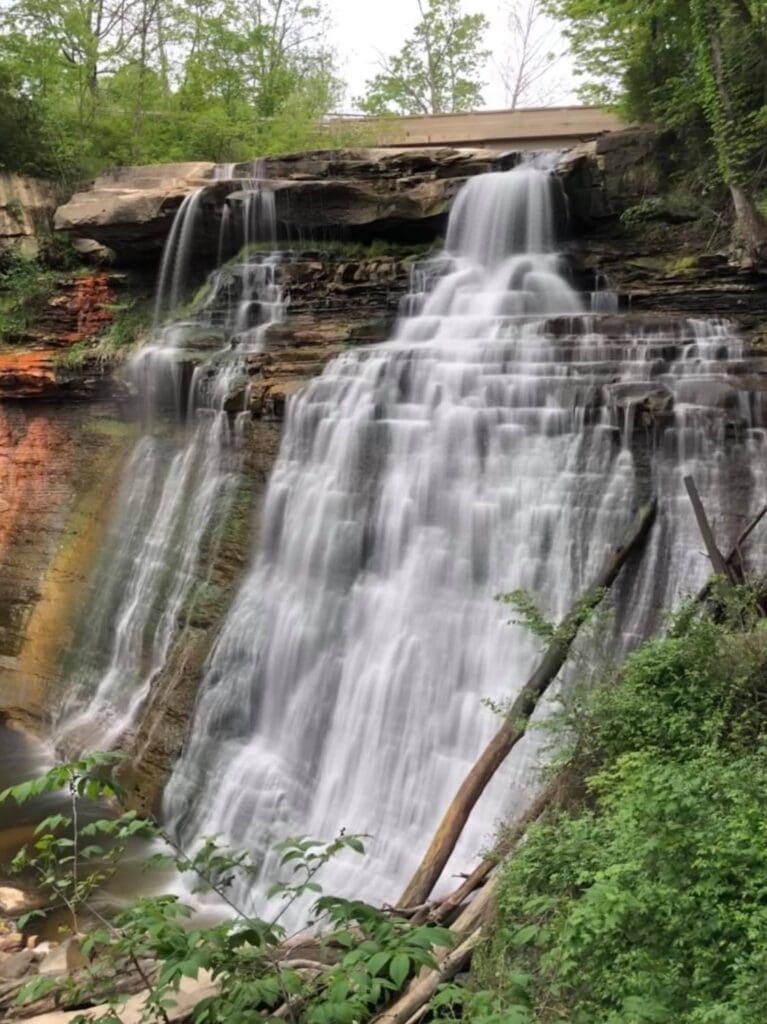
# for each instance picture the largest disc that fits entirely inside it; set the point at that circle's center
(181, 477)
(502, 439)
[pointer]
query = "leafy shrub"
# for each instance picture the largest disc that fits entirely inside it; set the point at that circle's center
(646, 901)
(25, 283)
(366, 954)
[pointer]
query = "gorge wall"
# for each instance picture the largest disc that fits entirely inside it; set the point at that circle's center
(353, 225)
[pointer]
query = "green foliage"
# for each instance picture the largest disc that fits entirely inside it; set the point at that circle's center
(730, 46)
(115, 82)
(367, 955)
(645, 900)
(531, 617)
(438, 69)
(25, 283)
(129, 325)
(699, 67)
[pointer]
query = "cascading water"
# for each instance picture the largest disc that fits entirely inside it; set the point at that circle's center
(501, 439)
(181, 477)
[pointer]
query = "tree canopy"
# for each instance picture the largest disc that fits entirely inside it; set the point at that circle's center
(438, 70)
(699, 66)
(96, 82)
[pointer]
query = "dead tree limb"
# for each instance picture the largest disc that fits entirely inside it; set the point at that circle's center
(515, 725)
(719, 563)
(423, 987)
(735, 552)
(439, 912)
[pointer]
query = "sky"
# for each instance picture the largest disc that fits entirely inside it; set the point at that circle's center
(363, 29)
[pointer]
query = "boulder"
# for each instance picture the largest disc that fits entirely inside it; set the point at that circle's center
(66, 958)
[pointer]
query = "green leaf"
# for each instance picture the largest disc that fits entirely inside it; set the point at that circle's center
(525, 935)
(399, 968)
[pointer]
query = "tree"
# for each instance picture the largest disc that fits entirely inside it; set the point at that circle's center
(730, 41)
(438, 69)
(529, 57)
(684, 64)
(137, 81)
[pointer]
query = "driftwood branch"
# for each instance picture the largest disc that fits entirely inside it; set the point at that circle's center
(515, 725)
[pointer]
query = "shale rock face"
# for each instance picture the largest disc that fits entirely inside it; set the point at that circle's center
(58, 468)
(77, 311)
(356, 193)
(27, 206)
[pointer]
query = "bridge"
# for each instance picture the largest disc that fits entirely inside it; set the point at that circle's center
(528, 128)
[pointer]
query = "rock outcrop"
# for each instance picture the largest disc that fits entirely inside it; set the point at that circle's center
(33, 361)
(60, 464)
(27, 207)
(660, 251)
(357, 193)
(131, 208)
(604, 177)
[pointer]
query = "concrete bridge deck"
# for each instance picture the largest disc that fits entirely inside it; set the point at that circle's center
(528, 128)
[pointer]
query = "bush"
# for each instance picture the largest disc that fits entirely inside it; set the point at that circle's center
(365, 954)
(646, 900)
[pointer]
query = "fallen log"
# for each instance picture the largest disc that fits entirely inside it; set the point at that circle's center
(437, 913)
(515, 725)
(409, 1006)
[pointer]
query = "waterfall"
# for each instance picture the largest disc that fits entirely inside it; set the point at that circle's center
(501, 439)
(182, 475)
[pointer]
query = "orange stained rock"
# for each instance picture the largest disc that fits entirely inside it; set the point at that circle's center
(27, 374)
(91, 299)
(29, 449)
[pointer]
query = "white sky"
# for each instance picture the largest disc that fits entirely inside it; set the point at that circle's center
(363, 28)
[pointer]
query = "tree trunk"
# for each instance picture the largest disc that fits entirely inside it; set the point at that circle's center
(751, 224)
(753, 228)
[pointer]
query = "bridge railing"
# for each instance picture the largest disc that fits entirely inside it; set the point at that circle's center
(529, 126)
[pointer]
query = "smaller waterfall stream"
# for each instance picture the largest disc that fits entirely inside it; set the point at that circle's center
(183, 473)
(501, 439)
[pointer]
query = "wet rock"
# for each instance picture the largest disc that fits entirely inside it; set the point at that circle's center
(237, 398)
(17, 965)
(655, 399)
(58, 469)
